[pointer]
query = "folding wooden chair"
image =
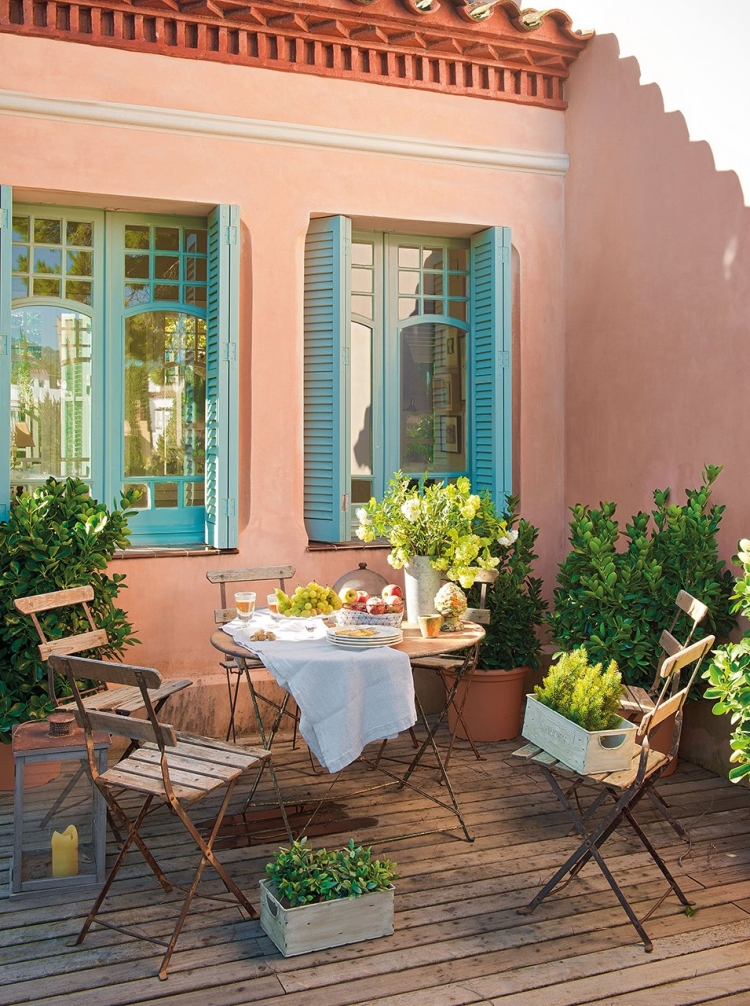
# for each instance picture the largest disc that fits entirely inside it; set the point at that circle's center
(625, 789)
(177, 769)
(225, 614)
(448, 668)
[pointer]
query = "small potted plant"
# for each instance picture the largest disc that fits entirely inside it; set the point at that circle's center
(315, 899)
(574, 715)
(493, 706)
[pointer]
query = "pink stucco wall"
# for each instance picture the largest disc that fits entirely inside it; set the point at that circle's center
(278, 188)
(658, 301)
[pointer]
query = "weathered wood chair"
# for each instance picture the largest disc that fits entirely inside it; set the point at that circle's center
(124, 701)
(620, 792)
(177, 769)
(448, 667)
(270, 574)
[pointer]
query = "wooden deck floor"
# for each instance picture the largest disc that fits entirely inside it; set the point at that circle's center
(458, 938)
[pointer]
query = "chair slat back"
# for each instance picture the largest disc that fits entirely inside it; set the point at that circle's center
(80, 642)
(696, 611)
(249, 574)
(108, 671)
(672, 668)
(484, 577)
(130, 727)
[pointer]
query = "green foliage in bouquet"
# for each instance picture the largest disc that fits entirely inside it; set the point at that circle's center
(583, 692)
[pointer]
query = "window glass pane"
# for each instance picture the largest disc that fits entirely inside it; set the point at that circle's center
(48, 260)
(407, 307)
(167, 267)
(166, 494)
(50, 394)
(195, 296)
(195, 494)
(80, 235)
(137, 293)
(143, 501)
(19, 287)
(457, 309)
(196, 241)
(362, 305)
(408, 257)
(432, 283)
(136, 266)
(458, 259)
(20, 258)
(457, 285)
(362, 253)
(78, 263)
(46, 287)
(408, 282)
(361, 398)
(362, 280)
(433, 407)
(432, 258)
(167, 238)
(165, 368)
(21, 228)
(196, 270)
(136, 236)
(78, 290)
(47, 232)
(165, 292)
(361, 492)
(432, 307)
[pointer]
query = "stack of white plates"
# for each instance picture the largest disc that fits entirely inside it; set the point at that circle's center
(358, 636)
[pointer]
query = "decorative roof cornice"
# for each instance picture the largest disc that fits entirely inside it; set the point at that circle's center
(482, 48)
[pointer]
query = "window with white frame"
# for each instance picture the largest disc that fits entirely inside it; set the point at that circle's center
(407, 365)
(120, 366)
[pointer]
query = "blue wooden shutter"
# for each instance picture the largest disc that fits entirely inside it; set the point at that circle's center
(6, 237)
(222, 322)
(326, 409)
(492, 417)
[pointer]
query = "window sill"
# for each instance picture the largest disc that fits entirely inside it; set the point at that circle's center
(170, 551)
(347, 546)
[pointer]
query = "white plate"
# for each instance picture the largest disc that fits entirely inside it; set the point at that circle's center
(352, 632)
(366, 644)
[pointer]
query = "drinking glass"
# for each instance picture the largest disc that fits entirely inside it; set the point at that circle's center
(272, 604)
(244, 602)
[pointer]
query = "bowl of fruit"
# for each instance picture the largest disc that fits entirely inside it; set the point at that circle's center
(309, 602)
(357, 607)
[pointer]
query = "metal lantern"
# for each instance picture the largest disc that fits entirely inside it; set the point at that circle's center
(59, 817)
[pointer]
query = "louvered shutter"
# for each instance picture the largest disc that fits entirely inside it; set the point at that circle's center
(490, 466)
(222, 322)
(6, 238)
(327, 438)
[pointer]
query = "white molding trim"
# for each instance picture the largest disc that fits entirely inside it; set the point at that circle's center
(176, 120)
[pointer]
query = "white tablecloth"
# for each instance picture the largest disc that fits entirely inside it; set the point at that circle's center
(347, 698)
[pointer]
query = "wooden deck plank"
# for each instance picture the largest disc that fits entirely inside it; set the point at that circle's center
(458, 938)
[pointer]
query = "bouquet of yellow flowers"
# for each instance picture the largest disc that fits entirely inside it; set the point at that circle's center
(443, 520)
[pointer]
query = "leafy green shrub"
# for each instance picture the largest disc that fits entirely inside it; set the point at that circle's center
(300, 874)
(617, 600)
(582, 692)
(514, 600)
(729, 674)
(55, 537)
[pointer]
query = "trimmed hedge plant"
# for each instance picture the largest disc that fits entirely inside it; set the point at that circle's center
(55, 537)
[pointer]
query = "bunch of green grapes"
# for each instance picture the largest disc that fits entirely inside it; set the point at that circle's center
(307, 601)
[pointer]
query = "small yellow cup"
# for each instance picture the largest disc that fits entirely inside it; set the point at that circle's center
(429, 625)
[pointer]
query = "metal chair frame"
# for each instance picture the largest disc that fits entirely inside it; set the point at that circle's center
(177, 769)
(625, 788)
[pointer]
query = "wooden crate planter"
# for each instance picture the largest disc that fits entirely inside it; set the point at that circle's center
(586, 751)
(326, 923)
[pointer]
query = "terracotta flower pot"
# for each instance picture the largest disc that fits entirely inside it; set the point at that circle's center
(493, 706)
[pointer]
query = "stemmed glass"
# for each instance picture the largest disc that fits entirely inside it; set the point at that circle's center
(244, 602)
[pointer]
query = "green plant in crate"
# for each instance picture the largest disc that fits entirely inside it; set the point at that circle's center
(582, 692)
(55, 537)
(617, 600)
(729, 674)
(300, 874)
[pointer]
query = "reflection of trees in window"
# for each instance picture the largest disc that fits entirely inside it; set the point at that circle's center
(165, 394)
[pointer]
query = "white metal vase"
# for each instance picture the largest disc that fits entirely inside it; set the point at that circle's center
(422, 583)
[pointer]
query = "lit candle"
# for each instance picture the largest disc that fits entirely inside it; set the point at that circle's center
(65, 852)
